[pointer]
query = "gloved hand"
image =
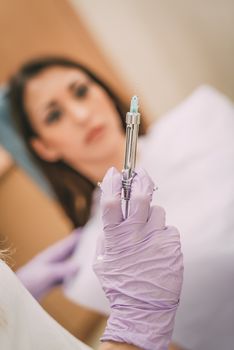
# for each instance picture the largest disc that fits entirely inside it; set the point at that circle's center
(139, 264)
(50, 267)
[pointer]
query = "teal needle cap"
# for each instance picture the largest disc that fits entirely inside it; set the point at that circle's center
(134, 104)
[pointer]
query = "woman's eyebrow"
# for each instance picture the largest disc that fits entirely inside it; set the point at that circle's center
(50, 105)
(73, 85)
(78, 81)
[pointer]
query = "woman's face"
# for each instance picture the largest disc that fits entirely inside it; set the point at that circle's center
(74, 118)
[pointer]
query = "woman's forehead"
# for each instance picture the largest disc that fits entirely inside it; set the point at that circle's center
(50, 83)
(55, 77)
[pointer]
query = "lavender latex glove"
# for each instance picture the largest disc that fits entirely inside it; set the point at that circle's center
(50, 267)
(139, 264)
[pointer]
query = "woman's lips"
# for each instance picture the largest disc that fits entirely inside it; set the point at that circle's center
(94, 133)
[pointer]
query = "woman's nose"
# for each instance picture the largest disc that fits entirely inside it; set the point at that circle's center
(79, 113)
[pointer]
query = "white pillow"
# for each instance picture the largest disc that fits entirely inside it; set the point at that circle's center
(190, 154)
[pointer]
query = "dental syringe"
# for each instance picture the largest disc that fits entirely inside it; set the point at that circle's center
(128, 172)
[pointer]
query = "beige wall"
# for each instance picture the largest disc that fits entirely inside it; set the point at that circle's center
(165, 48)
(34, 28)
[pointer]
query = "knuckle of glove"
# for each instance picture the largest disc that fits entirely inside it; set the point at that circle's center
(157, 218)
(171, 249)
(109, 202)
(139, 206)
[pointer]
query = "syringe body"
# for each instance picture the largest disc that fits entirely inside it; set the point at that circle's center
(128, 172)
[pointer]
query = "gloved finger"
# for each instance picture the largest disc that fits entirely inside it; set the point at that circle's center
(62, 249)
(141, 196)
(111, 198)
(157, 218)
(62, 271)
(100, 252)
(100, 246)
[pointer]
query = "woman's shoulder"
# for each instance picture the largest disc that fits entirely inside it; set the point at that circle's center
(7, 277)
(24, 324)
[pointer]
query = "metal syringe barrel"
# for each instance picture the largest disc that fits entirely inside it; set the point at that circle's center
(132, 128)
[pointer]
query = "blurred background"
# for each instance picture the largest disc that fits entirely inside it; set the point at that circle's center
(160, 50)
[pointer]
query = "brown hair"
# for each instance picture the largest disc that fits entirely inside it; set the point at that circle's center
(73, 190)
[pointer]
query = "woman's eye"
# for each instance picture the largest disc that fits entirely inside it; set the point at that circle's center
(53, 116)
(81, 91)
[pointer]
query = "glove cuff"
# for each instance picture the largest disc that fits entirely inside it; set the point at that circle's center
(147, 329)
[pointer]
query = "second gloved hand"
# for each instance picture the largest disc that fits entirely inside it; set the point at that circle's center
(50, 267)
(139, 264)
